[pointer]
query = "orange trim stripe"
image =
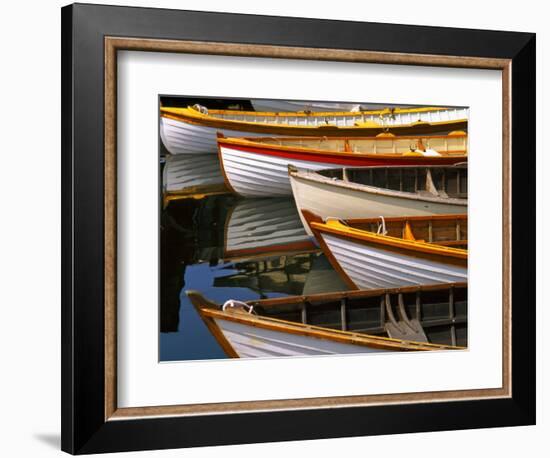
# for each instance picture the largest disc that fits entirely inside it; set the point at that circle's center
(336, 335)
(337, 228)
(194, 117)
(281, 114)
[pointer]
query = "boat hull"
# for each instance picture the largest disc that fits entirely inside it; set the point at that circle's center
(371, 265)
(326, 200)
(180, 137)
(252, 171)
(256, 342)
(187, 131)
(246, 330)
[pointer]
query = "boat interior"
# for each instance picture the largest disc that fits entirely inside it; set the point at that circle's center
(437, 316)
(434, 314)
(386, 143)
(444, 230)
(438, 181)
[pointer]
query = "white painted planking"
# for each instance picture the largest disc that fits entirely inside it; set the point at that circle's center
(184, 138)
(256, 342)
(180, 137)
(370, 267)
(325, 199)
(261, 175)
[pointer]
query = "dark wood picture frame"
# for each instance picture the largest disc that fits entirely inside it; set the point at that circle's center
(91, 37)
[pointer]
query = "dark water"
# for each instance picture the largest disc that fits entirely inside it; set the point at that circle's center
(200, 251)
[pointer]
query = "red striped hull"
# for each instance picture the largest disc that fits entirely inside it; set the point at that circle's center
(255, 170)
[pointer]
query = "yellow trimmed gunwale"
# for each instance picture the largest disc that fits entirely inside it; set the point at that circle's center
(336, 227)
(281, 114)
(263, 142)
(192, 115)
(347, 337)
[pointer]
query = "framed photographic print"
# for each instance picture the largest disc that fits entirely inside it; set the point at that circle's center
(271, 222)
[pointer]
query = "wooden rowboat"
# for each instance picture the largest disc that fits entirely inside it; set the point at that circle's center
(396, 252)
(257, 167)
(379, 191)
(338, 323)
(193, 129)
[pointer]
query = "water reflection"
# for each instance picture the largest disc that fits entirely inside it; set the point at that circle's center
(191, 175)
(227, 247)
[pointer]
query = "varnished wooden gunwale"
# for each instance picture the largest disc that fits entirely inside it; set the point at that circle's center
(384, 136)
(355, 294)
(307, 113)
(329, 130)
(261, 143)
(441, 230)
(435, 252)
(462, 217)
(217, 333)
(274, 324)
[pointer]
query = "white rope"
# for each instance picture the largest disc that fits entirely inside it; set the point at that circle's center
(235, 303)
(382, 227)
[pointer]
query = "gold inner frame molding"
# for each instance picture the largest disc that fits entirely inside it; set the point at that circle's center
(114, 44)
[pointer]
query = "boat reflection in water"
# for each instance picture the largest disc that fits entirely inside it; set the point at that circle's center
(191, 176)
(224, 246)
(257, 227)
